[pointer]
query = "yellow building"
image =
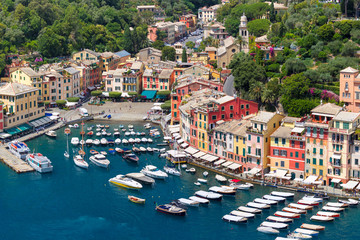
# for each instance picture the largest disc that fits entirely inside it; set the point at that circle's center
(211, 51)
(86, 54)
(202, 122)
(20, 103)
(240, 139)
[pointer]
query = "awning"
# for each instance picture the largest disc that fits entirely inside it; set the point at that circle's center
(149, 94)
(4, 135)
(125, 94)
(191, 150)
(54, 117)
(226, 164)
(55, 114)
(280, 173)
(335, 180)
(71, 104)
(176, 153)
(198, 155)
(174, 130)
(254, 171)
(105, 94)
(218, 162)
(40, 122)
(350, 184)
(298, 179)
(234, 166)
(209, 158)
(179, 141)
(336, 156)
(220, 122)
(310, 179)
(91, 88)
(18, 129)
(177, 137)
(297, 130)
(156, 108)
(184, 145)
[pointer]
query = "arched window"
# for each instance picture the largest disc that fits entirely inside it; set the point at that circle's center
(346, 85)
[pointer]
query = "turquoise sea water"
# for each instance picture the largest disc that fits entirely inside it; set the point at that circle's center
(72, 203)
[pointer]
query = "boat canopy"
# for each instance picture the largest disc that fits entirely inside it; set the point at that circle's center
(234, 166)
(191, 150)
(209, 158)
(198, 154)
(218, 162)
(310, 179)
(350, 185)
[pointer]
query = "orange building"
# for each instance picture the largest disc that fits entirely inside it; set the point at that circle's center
(350, 88)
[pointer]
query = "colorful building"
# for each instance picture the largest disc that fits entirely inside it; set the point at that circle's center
(158, 79)
(208, 14)
(86, 54)
(350, 88)
(189, 20)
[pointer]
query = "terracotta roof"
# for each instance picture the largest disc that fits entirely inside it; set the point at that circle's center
(29, 71)
(349, 70)
(166, 73)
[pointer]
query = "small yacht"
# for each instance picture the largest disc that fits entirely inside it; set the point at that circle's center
(123, 181)
(172, 171)
(39, 162)
(51, 134)
(150, 140)
(100, 160)
(19, 149)
(80, 162)
(144, 140)
(103, 141)
(117, 141)
(154, 172)
(96, 142)
(75, 141)
(89, 141)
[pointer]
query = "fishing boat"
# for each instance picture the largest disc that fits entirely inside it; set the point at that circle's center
(201, 180)
(96, 142)
(199, 199)
(306, 231)
(286, 214)
(93, 152)
(205, 174)
(339, 205)
(299, 236)
(257, 205)
(282, 194)
(220, 178)
(140, 177)
(75, 141)
(279, 219)
(154, 172)
(89, 141)
(222, 190)
(242, 214)
(188, 202)
(350, 202)
(267, 230)
(172, 171)
(300, 206)
(328, 214)
(90, 134)
(39, 162)
(265, 201)
(332, 209)
(250, 210)
(51, 134)
(294, 210)
(171, 209)
(117, 141)
(274, 225)
(123, 181)
(322, 218)
(80, 162)
(234, 219)
(274, 198)
(312, 227)
(100, 160)
(131, 157)
(103, 141)
(307, 202)
(209, 195)
(67, 131)
(136, 199)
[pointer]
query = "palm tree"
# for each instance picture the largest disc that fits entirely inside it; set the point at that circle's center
(268, 97)
(256, 91)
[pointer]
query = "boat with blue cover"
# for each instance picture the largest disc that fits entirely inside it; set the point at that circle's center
(171, 209)
(19, 149)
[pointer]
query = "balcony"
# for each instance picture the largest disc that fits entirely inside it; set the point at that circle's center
(255, 130)
(338, 130)
(298, 138)
(253, 155)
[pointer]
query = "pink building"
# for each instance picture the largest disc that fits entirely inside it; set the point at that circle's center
(350, 88)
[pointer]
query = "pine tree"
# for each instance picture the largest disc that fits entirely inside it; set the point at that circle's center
(184, 56)
(272, 12)
(128, 44)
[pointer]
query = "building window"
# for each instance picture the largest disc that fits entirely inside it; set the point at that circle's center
(296, 154)
(258, 139)
(314, 171)
(276, 140)
(282, 163)
(321, 172)
(320, 162)
(314, 161)
(222, 116)
(346, 125)
(283, 141)
(297, 165)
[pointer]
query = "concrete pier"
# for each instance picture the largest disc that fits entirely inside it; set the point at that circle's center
(14, 162)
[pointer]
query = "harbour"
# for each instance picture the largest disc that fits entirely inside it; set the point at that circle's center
(79, 196)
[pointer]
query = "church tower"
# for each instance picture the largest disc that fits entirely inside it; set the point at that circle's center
(244, 33)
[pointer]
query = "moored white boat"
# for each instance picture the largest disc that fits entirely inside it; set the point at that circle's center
(286, 214)
(234, 219)
(267, 230)
(100, 160)
(350, 202)
(265, 201)
(282, 194)
(192, 170)
(89, 141)
(306, 231)
(51, 134)
(201, 180)
(327, 214)
(144, 140)
(205, 173)
(279, 219)
(188, 202)
(274, 225)
(221, 190)
(312, 227)
(117, 141)
(103, 141)
(322, 218)
(249, 210)
(125, 141)
(332, 209)
(240, 186)
(335, 204)
(75, 141)
(300, 206)
(96, 142)
(258, 205)
(149, 149)
(98, 134)
(172, 171)
(307, 202)
(220, 178)
(149, 140)
(123, 181)
(208, 195)
(312, 198)
(294, 210)
(242, 214)
(142, 149)
(80, 162)
(274, 198)
(299, 236)
(154, 172)
(199, 199)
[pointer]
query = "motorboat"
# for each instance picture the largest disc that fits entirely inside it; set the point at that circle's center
(188, 202)
(171, 209)
(299, 236)
(332, 209)
(117, 141)
(121, 126)
(100, 160)
(108, 134)
(138, 133)
(172, 171)
(96, 142)
(131, 140)
(89, 141)
(242, 214)
(82, 142)
(39, 162)
(123, 181)
(136, 199)
(149, 149)
(267, 230)
(274, 198)
(257, 205)
(274, 225)
(201, 180)
(183, 166)
(265, 201)
(279, 219)
(220, 178)
(75, 141)
(294, 210)
(286, 214)
(103, 141)
(133, 133)
(307, 202)
(205, 174)
(240, 186)
(192, 170)
(222, 190)
(125, 141)
(140, 177)
(127, 133)
(234, 219)
(93, 152)
(98, 134)
(197, 183)
(137, 140)
(144, 140)
(19, 149)
(154, 172)
(312, 227)
(130, 126)
(142, 134)
(285, 238)
(116, 134)
(282, 194)
(249, 210)
(147, 126)
(98, 129)
(127, 150)
(124, 130)
(76, 125)
(300, 206)
(312, 198)
(51, 134)
(104, 133)
(149, 140)
(111, 141)
(350, 202)
(142, 149)
(103, 153)
(131, 157)
(328, 214)
(119, 150)
(80, 162)
(135, 149)
(208, 195)
(199, 199)
(106, 126)
(306, 231)
(339, 205)
(90, 134)
(89, 128)
(322, 218)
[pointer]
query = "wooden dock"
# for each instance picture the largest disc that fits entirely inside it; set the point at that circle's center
(13, 162)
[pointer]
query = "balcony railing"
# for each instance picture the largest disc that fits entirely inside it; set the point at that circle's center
(338, 130)
(298, 138)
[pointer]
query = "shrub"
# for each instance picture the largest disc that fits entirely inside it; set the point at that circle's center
(132, 93)
(163, 93)
(166, 105)
(96, 93)
(60, 103)
(114, 94)
(73, 99)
